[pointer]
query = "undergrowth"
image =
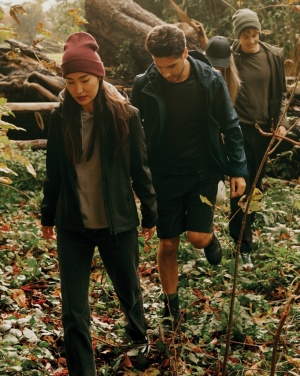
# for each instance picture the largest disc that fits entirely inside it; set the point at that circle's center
(31, 336)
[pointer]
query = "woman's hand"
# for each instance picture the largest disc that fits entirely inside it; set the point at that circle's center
(48, 233)
(148, 233)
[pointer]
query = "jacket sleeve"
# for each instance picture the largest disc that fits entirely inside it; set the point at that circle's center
(52, 181)
(227, 118)
(140, 172)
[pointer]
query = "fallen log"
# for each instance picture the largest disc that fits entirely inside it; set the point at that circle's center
(32, 107)
(33, 144)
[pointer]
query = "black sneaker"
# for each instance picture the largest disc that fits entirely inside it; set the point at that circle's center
(213, 252)
(246, 260)
(138, 348)
(171, 316)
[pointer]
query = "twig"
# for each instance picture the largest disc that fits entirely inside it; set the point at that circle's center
(17, 190)
(287, 309)
(230, 6)
(268, 134)
(104, 341)
(234, 285)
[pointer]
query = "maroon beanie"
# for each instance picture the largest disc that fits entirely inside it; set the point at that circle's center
(81, 55)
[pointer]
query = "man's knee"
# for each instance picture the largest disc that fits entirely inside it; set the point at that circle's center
(169, 246)
(199, 239)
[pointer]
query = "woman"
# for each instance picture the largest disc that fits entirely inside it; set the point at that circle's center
(219, 54)
(96, 154)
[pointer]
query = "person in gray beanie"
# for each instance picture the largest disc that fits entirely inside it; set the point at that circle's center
(244, 19)
(261, 100)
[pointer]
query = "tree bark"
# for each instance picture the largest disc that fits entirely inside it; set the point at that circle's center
(112, 22)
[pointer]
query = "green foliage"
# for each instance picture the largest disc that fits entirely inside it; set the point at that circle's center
(125, 65)
(34, 25)
(30, 325)
(285, 165)
(280, 19)
(9, 153)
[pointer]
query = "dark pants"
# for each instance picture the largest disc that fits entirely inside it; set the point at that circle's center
(120, 256)
(255, 146)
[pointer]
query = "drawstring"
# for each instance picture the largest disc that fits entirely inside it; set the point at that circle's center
(81, 130)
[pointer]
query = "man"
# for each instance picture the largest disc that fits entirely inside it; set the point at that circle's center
(261, 101)
(185, 106)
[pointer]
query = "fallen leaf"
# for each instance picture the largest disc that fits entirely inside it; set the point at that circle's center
(19, 297)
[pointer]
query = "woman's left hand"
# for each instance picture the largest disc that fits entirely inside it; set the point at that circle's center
(148, 233)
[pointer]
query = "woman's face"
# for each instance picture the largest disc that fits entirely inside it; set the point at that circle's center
(249, 41)
(83, 87)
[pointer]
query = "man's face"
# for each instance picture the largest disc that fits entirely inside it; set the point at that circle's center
(249, 41)
(172, 69)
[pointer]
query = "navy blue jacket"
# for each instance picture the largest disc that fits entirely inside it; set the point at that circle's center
(120, 173)
(220, 114)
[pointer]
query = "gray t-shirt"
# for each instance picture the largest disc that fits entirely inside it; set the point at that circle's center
(253, 99)
(89, 180)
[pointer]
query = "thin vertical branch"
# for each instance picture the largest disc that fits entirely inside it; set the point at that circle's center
(230, 320)
(284, 316)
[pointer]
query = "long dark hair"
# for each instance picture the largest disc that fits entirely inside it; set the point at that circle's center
(109, 108)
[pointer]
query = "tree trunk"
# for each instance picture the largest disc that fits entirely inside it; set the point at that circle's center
(113, 22)
(25, 76)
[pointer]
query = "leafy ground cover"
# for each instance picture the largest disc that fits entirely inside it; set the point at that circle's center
(31, 336)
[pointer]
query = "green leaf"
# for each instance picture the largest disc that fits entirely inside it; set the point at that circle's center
(205, 200)
(255, 203)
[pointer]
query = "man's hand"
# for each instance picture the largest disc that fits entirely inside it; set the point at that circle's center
(148, 233)
(237, 186)
(48, 233)
(281, 131)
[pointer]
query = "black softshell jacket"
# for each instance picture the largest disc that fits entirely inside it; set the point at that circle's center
(220, 114)
(120, 174)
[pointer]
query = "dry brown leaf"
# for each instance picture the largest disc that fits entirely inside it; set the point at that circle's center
(19, 297)
(15, 11)
(127, 362)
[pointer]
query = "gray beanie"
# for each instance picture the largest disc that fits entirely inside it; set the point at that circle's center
(244, 18)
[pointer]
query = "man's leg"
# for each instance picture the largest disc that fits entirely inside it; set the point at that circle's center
(167, 264)
(200, 217)
(210, 243)
(168, 271)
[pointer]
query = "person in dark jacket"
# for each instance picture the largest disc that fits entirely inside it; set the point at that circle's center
(261, 100)
(185, 106)
(96, 154)
(219, 54)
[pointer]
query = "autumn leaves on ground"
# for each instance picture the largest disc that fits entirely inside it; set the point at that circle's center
(31, 334)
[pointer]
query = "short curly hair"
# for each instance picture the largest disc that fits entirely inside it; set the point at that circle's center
(165, 41)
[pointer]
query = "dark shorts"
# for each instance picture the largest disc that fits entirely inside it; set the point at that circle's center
(180, 207)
